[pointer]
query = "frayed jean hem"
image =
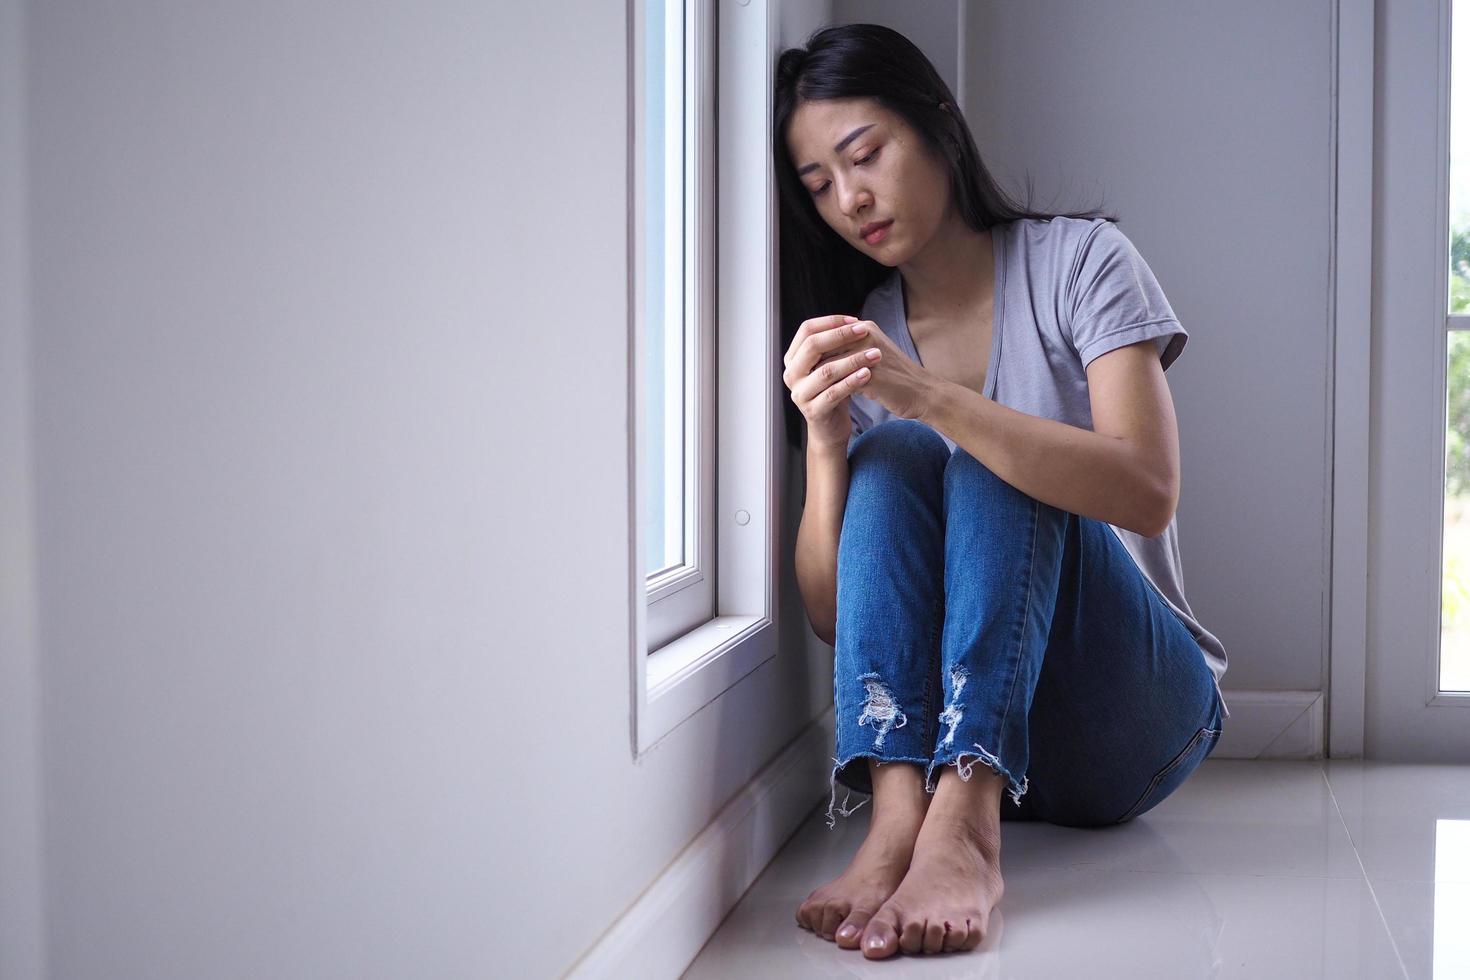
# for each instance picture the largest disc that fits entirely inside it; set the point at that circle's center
(881, 759)
(1017, 788)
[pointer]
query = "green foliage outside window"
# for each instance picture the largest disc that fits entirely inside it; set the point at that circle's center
(1455, 599)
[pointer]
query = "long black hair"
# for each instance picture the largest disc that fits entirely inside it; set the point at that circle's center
(820, 272)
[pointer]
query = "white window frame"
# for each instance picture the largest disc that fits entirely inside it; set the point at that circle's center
(1392, 235)
(1452, 321)
(731, 71)
(681, 599)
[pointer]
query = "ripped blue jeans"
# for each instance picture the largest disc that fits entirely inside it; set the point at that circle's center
(977, 624)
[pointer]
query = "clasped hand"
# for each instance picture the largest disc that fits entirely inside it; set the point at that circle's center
(898, 382)
(834, 357)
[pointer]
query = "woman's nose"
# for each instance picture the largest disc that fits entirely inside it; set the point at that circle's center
(852, 199)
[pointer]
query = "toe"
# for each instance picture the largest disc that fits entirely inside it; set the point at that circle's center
(880, 938)
(852, 927)
(809, 913)
(934, 936)
(955, 935)
(911, 936)
(832, 915)
(976, 934)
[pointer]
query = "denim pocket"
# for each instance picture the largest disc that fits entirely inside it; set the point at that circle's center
(1172, 776)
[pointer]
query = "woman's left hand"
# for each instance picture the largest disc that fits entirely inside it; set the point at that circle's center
(898, 382)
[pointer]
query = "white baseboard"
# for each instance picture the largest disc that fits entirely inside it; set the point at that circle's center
(665, 928)
(1273, 725)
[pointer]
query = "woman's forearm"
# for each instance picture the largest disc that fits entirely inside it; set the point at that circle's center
(1069, 467)
(816, 538)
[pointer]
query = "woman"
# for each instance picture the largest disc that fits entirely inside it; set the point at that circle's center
(992, 462)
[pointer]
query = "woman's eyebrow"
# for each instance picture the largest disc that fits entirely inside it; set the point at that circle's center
(842, 144)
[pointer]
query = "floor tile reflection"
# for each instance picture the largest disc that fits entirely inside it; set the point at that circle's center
(1248, 870)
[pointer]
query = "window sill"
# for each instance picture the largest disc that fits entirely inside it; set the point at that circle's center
(691, 672)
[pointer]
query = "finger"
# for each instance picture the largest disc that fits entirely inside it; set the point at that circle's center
(828, 374)
(862, 342)
(833, 381)
(863, 356)
(831, 340)
(823, 344)
(815, 325)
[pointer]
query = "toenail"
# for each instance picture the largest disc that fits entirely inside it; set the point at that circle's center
(876, 942)
(847, 932)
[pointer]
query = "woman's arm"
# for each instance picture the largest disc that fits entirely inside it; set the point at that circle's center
(816, 539)
(1124, 473)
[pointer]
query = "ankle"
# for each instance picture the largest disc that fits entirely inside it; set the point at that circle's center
(969, 810)
(978, 829)
(900, 804)
(899, 799)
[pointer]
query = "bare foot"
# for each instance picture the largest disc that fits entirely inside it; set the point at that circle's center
(838, 910)
(943, 903)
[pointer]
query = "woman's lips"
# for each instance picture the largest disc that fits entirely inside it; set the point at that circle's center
(877, 235)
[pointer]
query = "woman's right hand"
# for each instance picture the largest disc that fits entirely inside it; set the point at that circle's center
(822, 377)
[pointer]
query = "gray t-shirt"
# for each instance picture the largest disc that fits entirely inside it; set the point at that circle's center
(1066, 291)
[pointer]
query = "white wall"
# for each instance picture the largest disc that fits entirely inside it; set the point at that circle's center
(331, 508)
(933, 26)
(1206, 126)
(312, 318)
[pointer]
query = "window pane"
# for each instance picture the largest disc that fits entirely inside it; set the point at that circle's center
(1459, 190)
(1454, 640)
(1454, 666)
(663, 198)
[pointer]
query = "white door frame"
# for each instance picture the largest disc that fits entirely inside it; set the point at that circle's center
(1350, 294)
(1388, 460)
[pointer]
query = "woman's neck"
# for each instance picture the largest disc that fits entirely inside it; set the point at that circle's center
(955, 273)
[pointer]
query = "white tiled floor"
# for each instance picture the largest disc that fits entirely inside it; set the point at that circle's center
(1332, 869)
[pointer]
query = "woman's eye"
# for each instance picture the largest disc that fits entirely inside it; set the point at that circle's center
(823, 189)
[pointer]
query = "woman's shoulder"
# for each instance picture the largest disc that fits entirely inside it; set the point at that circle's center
(1060, 228)
(1052, 246)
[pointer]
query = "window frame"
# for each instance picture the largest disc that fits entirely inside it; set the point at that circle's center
(1435, 695)
(732, 61)
(681, 599)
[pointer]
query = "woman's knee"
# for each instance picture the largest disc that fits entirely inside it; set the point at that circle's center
(967, 471)
(902, 440)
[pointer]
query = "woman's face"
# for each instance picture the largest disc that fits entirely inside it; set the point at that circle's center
(863, 164)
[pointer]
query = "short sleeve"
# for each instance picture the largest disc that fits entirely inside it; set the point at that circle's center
(1114, 299)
